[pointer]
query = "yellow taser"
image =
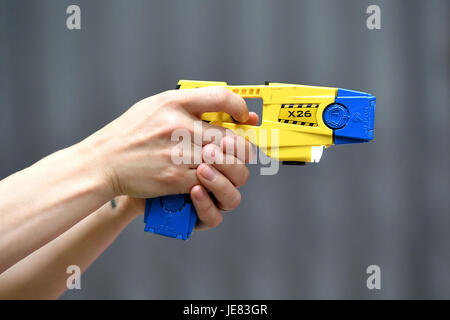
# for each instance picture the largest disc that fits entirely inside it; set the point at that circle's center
(297, 123)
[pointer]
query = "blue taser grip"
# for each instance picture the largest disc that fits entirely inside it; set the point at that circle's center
(171, 216)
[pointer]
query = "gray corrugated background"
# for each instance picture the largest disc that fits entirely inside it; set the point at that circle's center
(307, 232)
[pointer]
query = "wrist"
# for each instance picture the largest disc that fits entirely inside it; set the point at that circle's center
(126, 207)
(93, 152)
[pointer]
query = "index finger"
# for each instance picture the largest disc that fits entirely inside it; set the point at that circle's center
(213, 99)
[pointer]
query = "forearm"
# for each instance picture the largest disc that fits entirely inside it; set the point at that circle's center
(42, 275)
(42, 201)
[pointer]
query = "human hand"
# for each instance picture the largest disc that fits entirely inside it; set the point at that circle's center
(135, 150)
(221, 174)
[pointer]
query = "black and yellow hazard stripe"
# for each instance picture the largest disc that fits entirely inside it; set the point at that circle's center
(302, 123)
(304, 105)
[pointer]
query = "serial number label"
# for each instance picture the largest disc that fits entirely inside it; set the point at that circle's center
(227, 311)
(303, 114)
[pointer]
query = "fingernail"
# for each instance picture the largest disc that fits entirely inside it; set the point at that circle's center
(200, 194)
(212, 156)
(208, 173)
(209, 153)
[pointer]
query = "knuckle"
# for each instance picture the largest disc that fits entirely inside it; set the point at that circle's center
(233, 202)
(215, 221)
(175, 121)
(236, 200)
(209, 215)
(192, 180)
(187, 179)
(172, 119)
(171, 97)
(172, 175)
(243, 177)
(208, 207)
(220, 95)
(175, 99)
